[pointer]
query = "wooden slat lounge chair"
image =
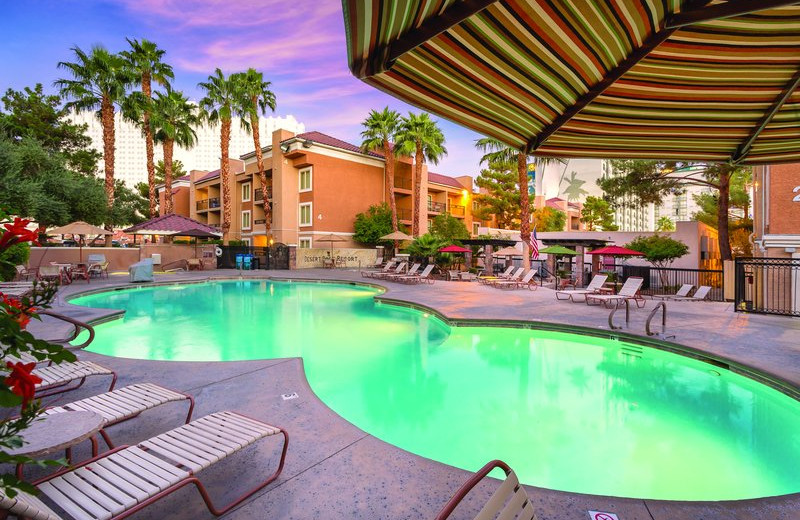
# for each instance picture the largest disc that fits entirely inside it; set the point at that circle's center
(699, 295)
(57, 379)
(509, 501)
(129, 478)
(681, 293)
(629, 291)
(526, 281)
(411, 272)
(594, 286)
(424, 276)
(372, 273)
(399, 270)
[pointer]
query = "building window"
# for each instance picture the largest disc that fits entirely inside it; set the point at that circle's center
(246, 188)
(305, 179)
(305, 242)
(246, 241)
(476, 228)
(305, 214)
(246, 219)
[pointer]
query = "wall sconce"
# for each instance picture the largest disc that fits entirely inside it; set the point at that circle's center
(285, 148)
(307, 143)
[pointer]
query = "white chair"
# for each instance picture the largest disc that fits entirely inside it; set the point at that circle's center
(699, 295)
(629, 291)
(681, 293)
(594, 286)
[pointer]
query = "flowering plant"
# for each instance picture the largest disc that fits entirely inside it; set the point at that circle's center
(17, 382)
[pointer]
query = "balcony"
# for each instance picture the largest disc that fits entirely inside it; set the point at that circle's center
(205, 204)
(403, 214)
(403, 183)
(436, 207)
(259, 195)
(215, 226)
(457, 211)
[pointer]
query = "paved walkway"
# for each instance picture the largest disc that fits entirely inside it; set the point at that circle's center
(335, 470)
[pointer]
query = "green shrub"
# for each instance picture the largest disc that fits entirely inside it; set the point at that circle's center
(18, 254)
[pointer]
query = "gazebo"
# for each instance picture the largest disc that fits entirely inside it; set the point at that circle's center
(488, 245)
(170, 224)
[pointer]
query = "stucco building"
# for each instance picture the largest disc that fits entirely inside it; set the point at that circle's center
(776, 211)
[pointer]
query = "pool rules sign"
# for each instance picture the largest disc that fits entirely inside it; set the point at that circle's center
(599, 515)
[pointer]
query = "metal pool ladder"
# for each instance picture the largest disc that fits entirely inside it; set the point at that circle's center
(663, 333)
(627, 314)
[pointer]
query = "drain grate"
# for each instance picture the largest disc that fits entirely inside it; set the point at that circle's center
(286, 397)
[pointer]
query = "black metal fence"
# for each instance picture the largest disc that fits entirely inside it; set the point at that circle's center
(273, 257)
(668, 280)
(768, 286)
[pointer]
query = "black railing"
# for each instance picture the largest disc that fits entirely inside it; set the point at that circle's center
(668, 280)
(437, 207)
(767, 286)
(201, 204)
(457, 211)
(273, 257)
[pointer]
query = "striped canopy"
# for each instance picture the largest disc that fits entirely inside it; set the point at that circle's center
(711, 80)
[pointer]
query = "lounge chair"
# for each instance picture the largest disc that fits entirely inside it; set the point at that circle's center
(510, 500)
(386, 268)
(629, 291)
(399, 270)
(125, 480)
(26, 273)
(699, 295)
(51, 273)
(504, 275)
(411, 272)
(424, 276)
(682, 292)
(513, 278)
(526, 281)
(57, 379)
(18, 289)
(194, 264)
(98, 265)
(594, 286)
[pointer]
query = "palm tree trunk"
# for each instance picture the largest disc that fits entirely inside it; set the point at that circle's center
(168, 148)
(107, 120)
(148, 141)
(389, 155)
(225, 140)
(722, 216)
(417, 189)
(524, 209)
(262, 175)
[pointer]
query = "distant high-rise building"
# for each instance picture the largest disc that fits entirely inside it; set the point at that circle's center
(130, 164)
(681, 207)
(628, 216)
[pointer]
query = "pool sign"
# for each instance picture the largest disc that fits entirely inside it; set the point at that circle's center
(599, 515)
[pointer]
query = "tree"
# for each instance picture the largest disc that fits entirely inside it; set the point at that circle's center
(256, 98)
(574, 189)
(497, 152)
(659, 250)
(500, 197)
(549, 219)
(31, 113)
(145, 60)
(739, 200)
(448, 228)
(143, 188)
(644, 182)
(380, 128)
(597, 213)
(421, 136)
(218, 105)
(665, 223)
(172, 122)
(426, 246)
(371, 225)
(99, 80)
(128, 206)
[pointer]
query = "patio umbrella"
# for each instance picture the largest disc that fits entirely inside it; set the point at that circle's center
(196, 233)
(615, 251)
(82, 229)
(397, 235)
(558, 250)
(331, 238)
(454, 249)
(508, 251)
(641, 79)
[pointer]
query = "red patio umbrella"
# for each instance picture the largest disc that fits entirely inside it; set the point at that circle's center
(454, 249)
(615, 251)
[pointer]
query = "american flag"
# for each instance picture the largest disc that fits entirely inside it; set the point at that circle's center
(534, 244)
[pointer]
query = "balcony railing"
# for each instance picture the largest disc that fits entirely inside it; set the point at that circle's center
(437, 207)
(402, 182)
(259, 195)
(207, 203)
(403, 214)
(457, 211)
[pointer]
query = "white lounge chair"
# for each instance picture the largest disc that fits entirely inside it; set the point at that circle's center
(98, 265)
(504, 275)
(526, 280)
(424, 276)
(399, 270)
(513, 278)
(699, 295)
(681, 293)
(57, 379)
(594, 286)
(411, 272)
(372, 273)
(127, 479)
(629, 291)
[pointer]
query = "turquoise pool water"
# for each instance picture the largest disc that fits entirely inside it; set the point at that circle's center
(568, 412)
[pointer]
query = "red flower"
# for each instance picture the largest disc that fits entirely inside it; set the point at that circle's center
(17, 311)
(21, 381)
(17, 232)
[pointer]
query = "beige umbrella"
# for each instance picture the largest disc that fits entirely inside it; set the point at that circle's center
(508, 251)
(397, 235)
(331, 238)
(79, 228)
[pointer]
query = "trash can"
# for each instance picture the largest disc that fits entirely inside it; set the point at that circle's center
(239, 261)
(141, 271)
(248, 262)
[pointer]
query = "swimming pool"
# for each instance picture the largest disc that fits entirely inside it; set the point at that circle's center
(568, 412)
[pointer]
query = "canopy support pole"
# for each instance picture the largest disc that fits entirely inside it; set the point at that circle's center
(787, 92)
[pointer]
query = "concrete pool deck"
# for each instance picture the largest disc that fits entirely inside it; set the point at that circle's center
(335, 470)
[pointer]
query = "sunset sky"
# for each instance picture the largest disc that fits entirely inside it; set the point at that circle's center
(298, 45)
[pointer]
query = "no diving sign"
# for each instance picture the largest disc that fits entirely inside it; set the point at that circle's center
(599, 515)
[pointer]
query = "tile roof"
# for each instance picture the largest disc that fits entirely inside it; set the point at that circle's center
(444, 179)
(319, 137)
(170, 223)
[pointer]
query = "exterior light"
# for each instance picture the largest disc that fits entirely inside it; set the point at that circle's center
(307, 143)
(285, 147)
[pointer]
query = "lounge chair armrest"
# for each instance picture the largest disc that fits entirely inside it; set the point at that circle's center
(464, 490)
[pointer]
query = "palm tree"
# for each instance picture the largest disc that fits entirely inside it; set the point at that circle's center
(496, 152)
(172, 122)
(380, 129)
(99, 80)
(222, 96)
(144, 59)
(421, 136)
(257, 97)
